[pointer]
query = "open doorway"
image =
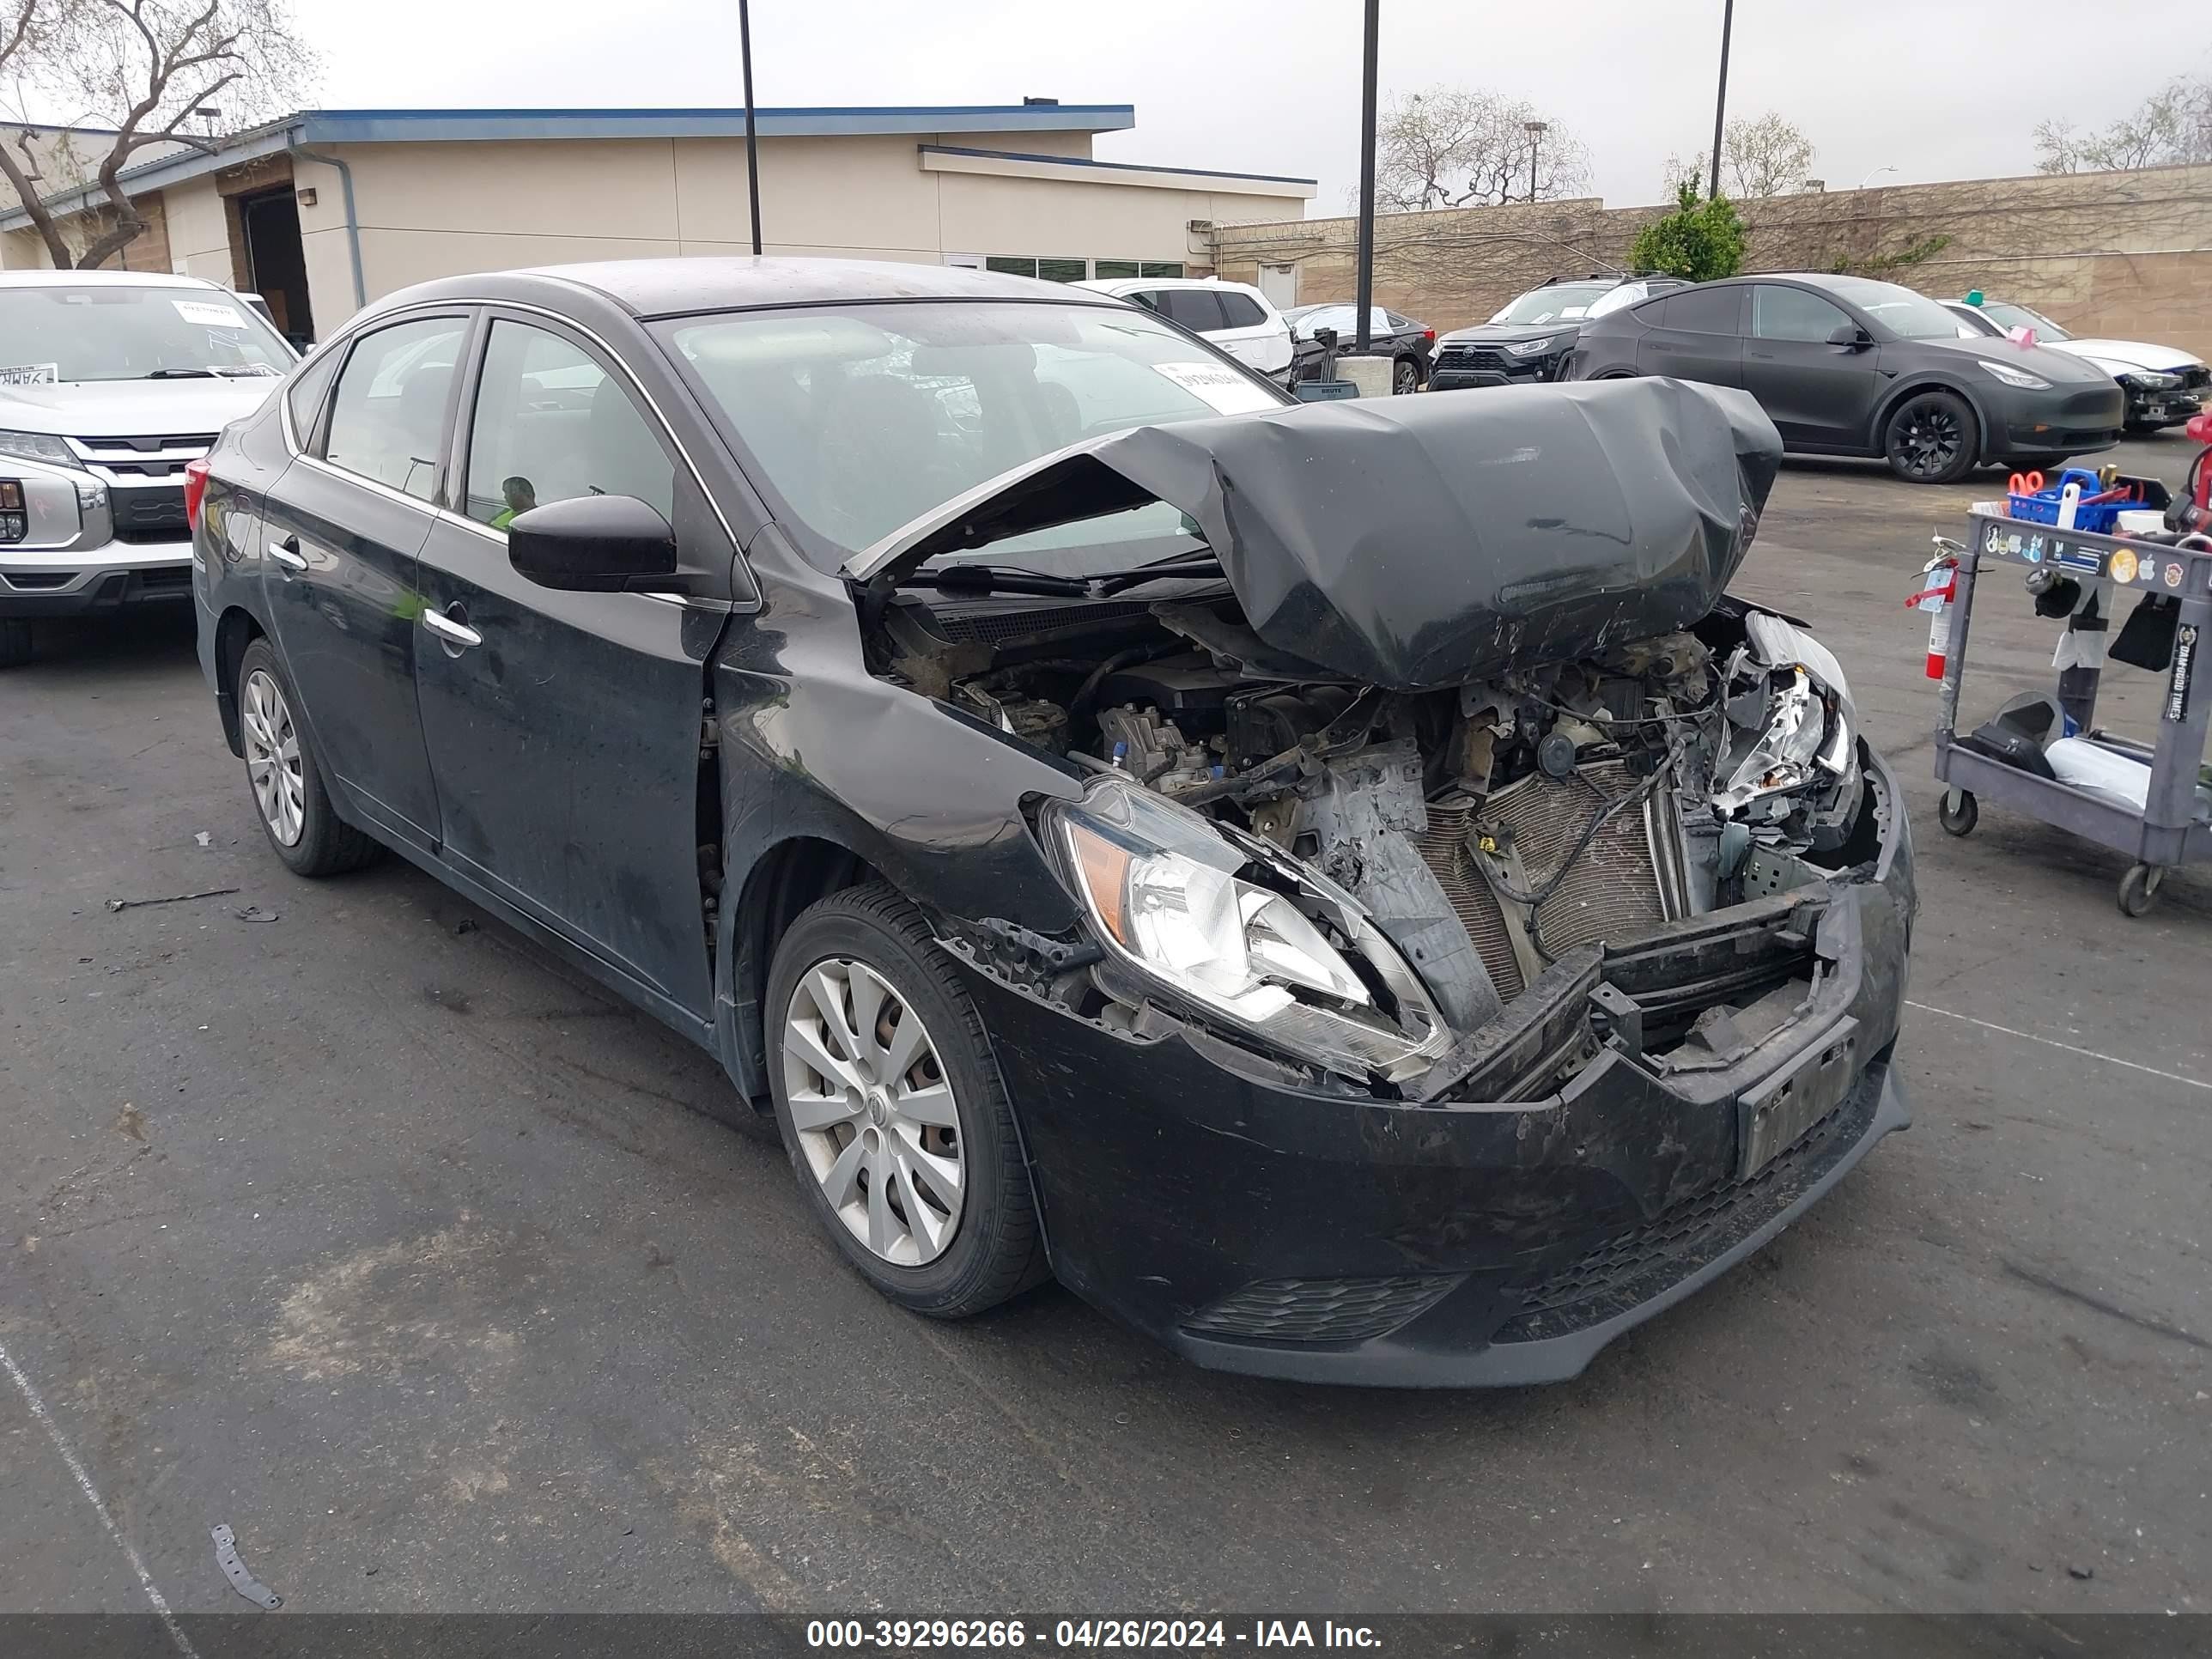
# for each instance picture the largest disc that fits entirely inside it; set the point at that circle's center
(276, 266)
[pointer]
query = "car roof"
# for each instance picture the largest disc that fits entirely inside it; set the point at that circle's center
(1150, 284)
(653, 288)
(101, 279)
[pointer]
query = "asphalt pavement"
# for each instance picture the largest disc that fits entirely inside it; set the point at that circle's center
(448, 1283)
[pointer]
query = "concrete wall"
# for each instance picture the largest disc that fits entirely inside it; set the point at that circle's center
(2126, 254)
(439, 209)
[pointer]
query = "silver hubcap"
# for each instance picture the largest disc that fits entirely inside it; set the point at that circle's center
(874, 1112)
(272, 758)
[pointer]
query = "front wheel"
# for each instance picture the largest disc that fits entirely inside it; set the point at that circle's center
(897, 1126)
(1959, 818)
(1931, 438)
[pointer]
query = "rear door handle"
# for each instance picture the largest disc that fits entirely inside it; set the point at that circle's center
(287, 553)
(454, 631)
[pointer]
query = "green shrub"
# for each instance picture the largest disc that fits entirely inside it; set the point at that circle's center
(1698, 241)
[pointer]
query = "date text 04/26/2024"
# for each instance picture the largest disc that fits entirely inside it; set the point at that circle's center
(1084, 1634)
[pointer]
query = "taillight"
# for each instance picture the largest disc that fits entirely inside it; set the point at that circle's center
(1429, 335)
(195, 490)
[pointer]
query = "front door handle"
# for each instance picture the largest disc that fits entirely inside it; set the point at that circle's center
(454, 629)
(287, 553)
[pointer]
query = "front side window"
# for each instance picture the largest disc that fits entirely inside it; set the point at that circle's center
(855, 421)
(550, 424)
(1791, 314)
(388, 413)
(124, 332)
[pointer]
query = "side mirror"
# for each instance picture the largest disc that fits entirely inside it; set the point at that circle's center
(593, 544)
(1850, 335)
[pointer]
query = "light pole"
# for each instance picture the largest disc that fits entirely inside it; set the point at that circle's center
(1535, 130)
(1719, 99)
(1875, 174)
(1366, 275)
(752, 149)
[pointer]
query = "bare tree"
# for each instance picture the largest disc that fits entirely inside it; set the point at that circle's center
(2173, 124)
(145, 68)
(1451, 146)
(1769, 156)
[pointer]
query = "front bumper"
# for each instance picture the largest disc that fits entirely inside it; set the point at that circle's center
(1458, 369)
(93, 582)
(1255, 1224)
(2064, 421)
(2149, 408)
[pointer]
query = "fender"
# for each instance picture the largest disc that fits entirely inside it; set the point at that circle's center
(1931, 381)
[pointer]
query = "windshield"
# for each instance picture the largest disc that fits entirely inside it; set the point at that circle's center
(1908, 315)
(102, 332)
(856, 421)
(1562, 302)
(2005, 315)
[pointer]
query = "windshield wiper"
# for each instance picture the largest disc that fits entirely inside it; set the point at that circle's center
(977, 580)
(178, 374)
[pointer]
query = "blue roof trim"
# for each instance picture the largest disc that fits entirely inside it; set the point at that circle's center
(340, 126)
(1112, 166)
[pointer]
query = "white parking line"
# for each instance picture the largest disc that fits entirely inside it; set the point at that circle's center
(92, 1496)
(2086, 1054)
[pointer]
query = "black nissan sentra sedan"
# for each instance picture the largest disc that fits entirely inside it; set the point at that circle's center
(1340, 886)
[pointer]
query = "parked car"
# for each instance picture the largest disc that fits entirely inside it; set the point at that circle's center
(1405, 342)
(1848, 366)
(1296, 915)
(2165, 385)
(1235, 316)
(110, 382)
(1532, 339)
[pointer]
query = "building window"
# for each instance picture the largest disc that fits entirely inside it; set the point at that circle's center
(1138, 268)
(1050, 270)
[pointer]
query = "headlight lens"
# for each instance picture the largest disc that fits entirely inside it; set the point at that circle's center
(1531, 347)
(2019, 377)
(1241, 931)
(2151, 380)
(37, 447)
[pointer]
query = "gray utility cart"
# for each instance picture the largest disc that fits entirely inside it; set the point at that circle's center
(2171, 831)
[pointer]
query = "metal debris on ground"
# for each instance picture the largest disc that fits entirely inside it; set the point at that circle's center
(174, 898)
(204, 839)
(226, 1557)
(254, 913)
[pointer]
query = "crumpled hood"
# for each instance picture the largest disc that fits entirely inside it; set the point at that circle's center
(131, 408)
(2127, 353)
(1413, 543)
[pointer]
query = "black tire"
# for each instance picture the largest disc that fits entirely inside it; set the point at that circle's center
(1961, 822)
(1931, 438)
(16, 647)
(2139, 888)
(996, 1250)
(326, 845)
(1405, 378)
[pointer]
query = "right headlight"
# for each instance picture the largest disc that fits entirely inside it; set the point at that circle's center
(1531, 347)
(2019, 377)
(1240, 931)
(37, 447)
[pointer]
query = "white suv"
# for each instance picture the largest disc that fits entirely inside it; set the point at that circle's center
(110, 381)
(1235, 316)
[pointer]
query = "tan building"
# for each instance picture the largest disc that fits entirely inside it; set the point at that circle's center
(328, 210)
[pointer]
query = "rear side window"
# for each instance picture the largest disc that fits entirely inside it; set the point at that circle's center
(388, 413)
(1699, 311)
(1791, 314)
(1239, 310)
(1198, 309)
(550, 424)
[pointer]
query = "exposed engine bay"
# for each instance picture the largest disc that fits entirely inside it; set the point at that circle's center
(1484, 831)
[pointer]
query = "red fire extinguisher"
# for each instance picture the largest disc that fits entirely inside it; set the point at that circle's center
(1939, 581)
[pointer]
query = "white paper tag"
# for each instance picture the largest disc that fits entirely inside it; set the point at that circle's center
(1225, 390)
(31, 374)
(207, 315)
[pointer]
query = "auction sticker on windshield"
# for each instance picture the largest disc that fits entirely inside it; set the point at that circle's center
(1228, 392)
(31, 374)
(208, 316)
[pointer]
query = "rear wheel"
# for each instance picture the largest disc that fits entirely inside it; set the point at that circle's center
(1931, 438)
(294, 808)
(16, 648)
(891, 1108)
(1406, 377)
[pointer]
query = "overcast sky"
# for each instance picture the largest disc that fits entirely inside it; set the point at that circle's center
(1936, 89)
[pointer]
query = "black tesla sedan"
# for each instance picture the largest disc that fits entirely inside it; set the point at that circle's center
(1848, 366)
(1405, 934)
